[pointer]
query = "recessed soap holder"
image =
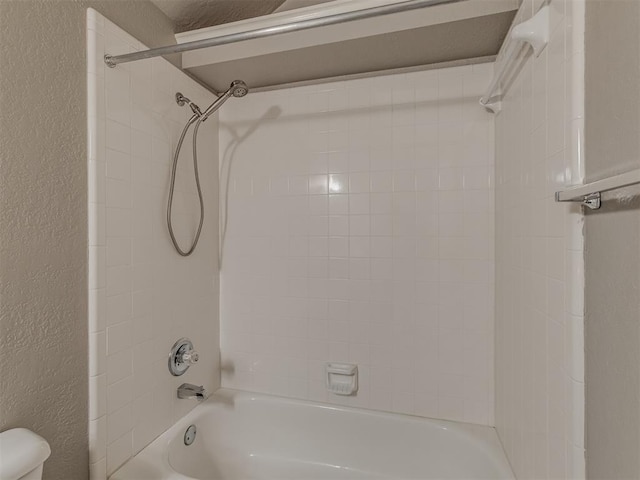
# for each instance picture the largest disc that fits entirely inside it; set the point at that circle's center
(342, 378)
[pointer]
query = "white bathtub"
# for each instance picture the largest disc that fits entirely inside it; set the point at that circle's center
(241, 435)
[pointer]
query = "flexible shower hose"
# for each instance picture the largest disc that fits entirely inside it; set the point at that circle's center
(174, 169)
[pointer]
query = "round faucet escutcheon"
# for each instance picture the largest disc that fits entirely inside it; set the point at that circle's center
(182, 356)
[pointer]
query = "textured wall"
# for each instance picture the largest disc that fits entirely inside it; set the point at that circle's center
(613, 241)
(539, 256)
(360, 219)
(43, 233)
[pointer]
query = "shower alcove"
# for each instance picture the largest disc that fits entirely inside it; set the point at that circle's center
(361, 207)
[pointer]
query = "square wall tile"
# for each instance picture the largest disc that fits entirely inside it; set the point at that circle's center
(133, 123)
(367, 236)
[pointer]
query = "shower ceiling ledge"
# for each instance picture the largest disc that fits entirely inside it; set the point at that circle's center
(460, 31)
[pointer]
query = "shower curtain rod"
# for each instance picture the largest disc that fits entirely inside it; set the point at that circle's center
(113, 60)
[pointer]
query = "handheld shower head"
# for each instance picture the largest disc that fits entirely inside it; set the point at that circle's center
(237, 89)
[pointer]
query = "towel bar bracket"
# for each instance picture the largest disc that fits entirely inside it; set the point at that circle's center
(593, 201)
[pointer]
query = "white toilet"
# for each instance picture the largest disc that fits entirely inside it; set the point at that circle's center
(22, 454)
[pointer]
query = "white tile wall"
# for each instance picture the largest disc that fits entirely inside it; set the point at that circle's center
(539, 259)
(142, 295)
(358, 227)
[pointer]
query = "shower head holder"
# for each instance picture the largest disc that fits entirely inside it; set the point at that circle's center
(181, 100)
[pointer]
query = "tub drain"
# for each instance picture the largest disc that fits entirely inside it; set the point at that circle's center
(190, 435)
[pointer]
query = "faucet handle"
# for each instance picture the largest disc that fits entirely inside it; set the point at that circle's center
(190, 357)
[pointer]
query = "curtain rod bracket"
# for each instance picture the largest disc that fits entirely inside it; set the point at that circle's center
(108, 59)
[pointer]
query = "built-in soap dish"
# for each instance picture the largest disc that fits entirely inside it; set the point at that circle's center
(342, 378)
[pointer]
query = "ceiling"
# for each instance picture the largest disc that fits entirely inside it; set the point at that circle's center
(193, 14)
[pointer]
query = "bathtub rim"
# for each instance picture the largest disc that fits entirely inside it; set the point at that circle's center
(483, 436)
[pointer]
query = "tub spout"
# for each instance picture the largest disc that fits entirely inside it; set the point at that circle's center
(189, 391)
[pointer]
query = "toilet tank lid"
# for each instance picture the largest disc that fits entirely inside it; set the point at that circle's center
(21, 451)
